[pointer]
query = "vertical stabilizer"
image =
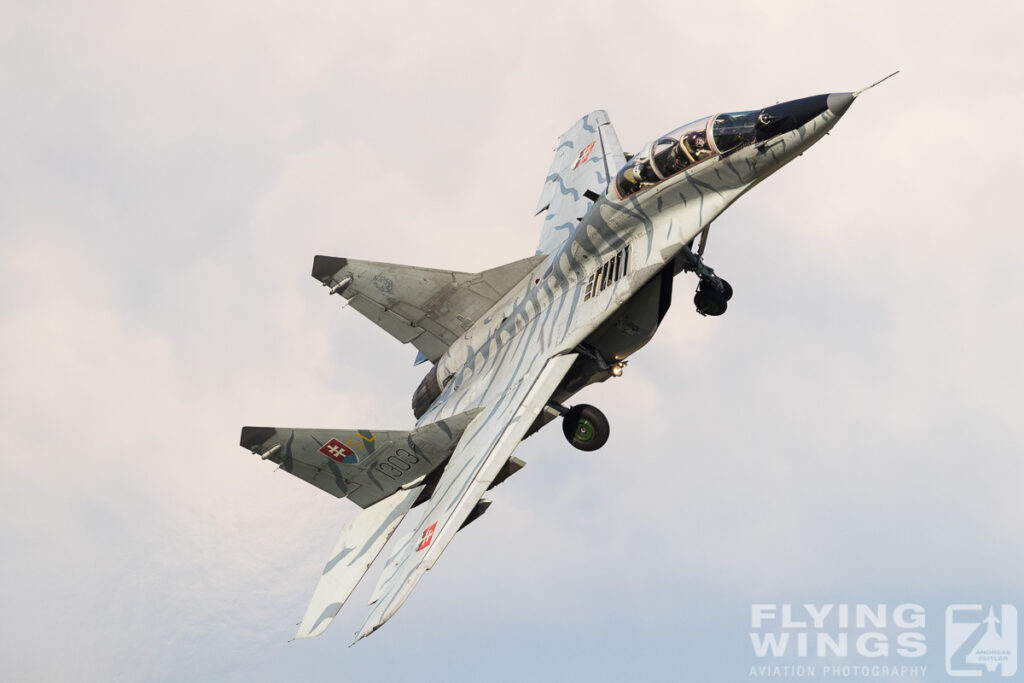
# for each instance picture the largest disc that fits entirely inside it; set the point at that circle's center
(587, 156)
(359, 543)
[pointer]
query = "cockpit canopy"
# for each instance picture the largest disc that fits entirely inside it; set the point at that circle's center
(685, 147)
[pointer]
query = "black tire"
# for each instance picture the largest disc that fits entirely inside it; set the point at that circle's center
(726, 290)
(710, 287)
(585, 427)
(709, 302)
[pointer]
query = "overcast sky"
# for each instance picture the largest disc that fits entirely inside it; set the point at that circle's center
(848, 432)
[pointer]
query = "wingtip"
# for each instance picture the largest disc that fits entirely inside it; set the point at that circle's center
(326, 266)
(254, 436)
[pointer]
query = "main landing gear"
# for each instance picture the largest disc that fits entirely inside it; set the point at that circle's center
(584, 426)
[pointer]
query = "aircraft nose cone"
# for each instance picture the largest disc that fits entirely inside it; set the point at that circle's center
(839, 102)
(786, 116)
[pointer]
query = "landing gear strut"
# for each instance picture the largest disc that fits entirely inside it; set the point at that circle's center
(585, 427)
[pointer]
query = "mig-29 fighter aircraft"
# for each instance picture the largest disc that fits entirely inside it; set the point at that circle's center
(509, 346)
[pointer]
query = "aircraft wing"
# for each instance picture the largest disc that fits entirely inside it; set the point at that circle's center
(587, 157)
(363, 465)
(428, 307)
(485, 447)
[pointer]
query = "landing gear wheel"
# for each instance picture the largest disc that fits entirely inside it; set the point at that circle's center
(710, 301)
(585, 427)
(726, 289)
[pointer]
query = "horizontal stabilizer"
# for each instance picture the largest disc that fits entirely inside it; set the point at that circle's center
(363, 465)
(426, 307)
(359, 543)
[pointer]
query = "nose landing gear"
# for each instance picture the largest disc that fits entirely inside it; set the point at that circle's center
(584, 426)
(713, 293)
(712, 297)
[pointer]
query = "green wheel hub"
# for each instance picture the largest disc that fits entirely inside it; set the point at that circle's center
(585, 430)
(585, 427)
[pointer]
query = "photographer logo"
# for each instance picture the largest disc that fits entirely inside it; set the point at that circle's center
(981, 640)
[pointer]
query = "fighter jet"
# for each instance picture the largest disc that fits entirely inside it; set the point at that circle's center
(508, 347)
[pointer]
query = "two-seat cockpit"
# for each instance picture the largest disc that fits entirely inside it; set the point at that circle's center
(683, 148)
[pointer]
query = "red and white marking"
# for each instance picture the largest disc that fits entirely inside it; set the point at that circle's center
(427, 537)
(584, 155)
(336, 450)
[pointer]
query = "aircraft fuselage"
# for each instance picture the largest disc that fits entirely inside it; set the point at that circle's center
(561, 303)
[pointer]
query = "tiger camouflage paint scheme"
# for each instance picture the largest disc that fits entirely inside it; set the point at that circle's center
(508, 346)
